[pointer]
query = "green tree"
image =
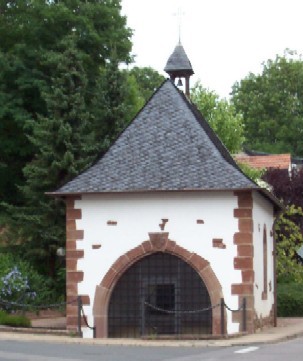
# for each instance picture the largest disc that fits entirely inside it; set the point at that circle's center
(287, 187)
(64, 143)
(272, 105)
(289, 239)
(62, 100)
(221, 116)
(28, 30)
(15, 149)
(148, 80)
(119, 96)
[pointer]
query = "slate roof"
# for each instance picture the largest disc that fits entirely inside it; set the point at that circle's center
(178, 61)
(167, 147)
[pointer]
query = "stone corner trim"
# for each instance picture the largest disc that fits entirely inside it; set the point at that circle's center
(73, 275)
(243, 261)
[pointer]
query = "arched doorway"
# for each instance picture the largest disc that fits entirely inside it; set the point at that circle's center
(106, 287)
(159, 294)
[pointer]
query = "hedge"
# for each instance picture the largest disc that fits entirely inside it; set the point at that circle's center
(14, 320)
(290, 300)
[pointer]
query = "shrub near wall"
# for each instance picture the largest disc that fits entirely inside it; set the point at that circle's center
(14, 320)
(20, 283)
(290, 300)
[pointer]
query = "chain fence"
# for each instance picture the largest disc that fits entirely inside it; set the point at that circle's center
(82, 316)
(222, 305)
(15, 306)
(241, 308)
(180, 312)
(32, 307)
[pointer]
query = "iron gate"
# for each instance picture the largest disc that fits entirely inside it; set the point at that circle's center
(159, 295)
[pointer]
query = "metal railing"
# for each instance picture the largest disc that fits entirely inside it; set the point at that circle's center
(81, 315)
(242, 308)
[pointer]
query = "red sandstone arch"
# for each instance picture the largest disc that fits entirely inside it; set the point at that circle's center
(158, 242)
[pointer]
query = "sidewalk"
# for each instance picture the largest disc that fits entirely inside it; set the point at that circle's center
(288, 328)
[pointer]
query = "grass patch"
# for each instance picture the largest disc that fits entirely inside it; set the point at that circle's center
(14, 320)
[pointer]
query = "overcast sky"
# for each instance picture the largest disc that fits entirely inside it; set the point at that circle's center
(224, 39)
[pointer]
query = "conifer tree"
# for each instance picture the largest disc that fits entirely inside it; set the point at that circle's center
(29, 29)
(118, 93)
(64, 144)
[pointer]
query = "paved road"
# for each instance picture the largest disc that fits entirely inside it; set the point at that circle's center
(39, 351)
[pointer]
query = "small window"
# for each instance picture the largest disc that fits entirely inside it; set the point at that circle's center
(161, 296)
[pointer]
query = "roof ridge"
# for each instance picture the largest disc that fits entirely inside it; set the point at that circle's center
(214, 138)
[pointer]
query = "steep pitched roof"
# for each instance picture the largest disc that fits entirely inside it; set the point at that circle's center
(280, 161)
(178, 61)
(167, 147)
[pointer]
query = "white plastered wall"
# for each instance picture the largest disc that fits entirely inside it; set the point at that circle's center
(263, 217)
(138, 214)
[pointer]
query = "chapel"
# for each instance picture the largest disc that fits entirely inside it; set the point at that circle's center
(165, 235)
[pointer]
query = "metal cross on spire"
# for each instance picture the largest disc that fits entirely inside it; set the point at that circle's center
(179, 15)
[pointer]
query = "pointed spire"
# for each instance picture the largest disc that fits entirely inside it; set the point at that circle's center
(179, 66)
(178, 61)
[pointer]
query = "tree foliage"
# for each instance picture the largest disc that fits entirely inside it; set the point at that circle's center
(221, 115)
(116, 102)
(64, 143)
(62, 100)
(29, 31)
(288, 188)
(272, 105)
(289, 239)
(147, 79)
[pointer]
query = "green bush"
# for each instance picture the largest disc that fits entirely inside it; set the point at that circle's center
(35, 285)
(290, 300)
(14, 320)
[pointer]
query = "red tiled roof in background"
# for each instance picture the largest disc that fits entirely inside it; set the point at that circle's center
(281, 161)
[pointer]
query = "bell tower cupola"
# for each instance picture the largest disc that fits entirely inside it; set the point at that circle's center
(179, 66)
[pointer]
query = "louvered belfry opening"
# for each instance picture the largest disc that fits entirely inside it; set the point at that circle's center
(157, 296)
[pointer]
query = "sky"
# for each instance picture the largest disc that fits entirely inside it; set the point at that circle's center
(225, 40)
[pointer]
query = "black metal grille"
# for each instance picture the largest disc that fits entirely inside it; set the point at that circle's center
(159, 295)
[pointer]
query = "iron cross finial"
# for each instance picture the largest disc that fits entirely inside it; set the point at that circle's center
(179, 15)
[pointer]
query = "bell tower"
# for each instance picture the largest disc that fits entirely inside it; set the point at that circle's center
(179, 66)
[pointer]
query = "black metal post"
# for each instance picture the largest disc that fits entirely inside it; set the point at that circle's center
(79, 302)
(142, 316)
(94, 332)
(244, 314)
(222, 317)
